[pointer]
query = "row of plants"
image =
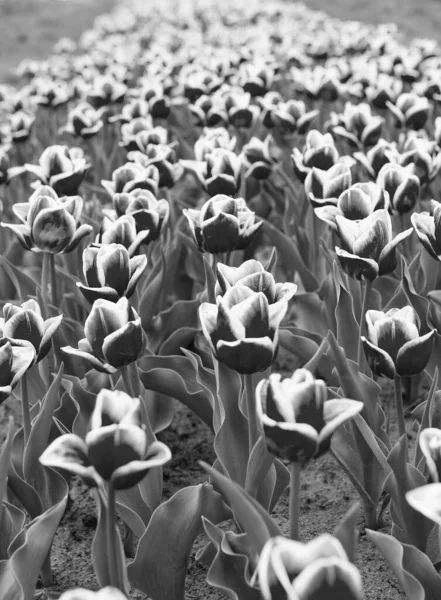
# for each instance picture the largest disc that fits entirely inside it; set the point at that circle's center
(186, 193)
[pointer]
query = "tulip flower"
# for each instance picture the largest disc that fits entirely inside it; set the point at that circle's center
(401, 184)
(26, 323)
(291, 117)
(319, 152)
(106, 593)
(356, 203)
(242, 328)
(110, 273)
(84, 121)
(50, 224)
(430, 444)
(210, 140)
(114, 336)
(122, 231)
(318, 569)
(223, 224)
(252, 274)
(428, 229)
(359, 126)
(16, 356)
(393, 344)
(220, 174)
(160, 156)
(258, 158)
(106, 91)
(410, 110)
(132, 176)
(20, 126)
(369, 250)
(61, 168)
(325, 187)
(298, 419)
(149, 213)
(376, 157)
(141, 129)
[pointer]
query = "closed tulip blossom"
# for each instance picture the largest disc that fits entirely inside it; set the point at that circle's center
(319, 152)
(402, 185)
(318, 569)
(163, 158)
(242, 328)
(428, 229)
(49, 223)
(376, 157)
(16, 356)
(410, 110)
(291, 117)
(325, 187)
(359, 126)
(84, 121)
(222, 224)
(109, 272)
(368, 246)
(26, 323)
(356, 203)
(252, 274)
(116, 448)
(122, 231)
(132, 176)
(149, 213)
(61, 168)
(393, 344)
(114, 336)
(298, 420)
(220, 174)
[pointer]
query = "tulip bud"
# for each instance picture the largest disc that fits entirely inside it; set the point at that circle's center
(430, 444)
(297, 418)
(61, 168)
(393, 345)
(324, 187)
(401, 184)
(428, 228)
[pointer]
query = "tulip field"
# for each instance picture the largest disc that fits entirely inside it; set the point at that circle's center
(220, 287)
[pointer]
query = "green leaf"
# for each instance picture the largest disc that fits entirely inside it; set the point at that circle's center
(251, 517)
(160, 567)
(346, 531)
(413, 569)
(229, 571)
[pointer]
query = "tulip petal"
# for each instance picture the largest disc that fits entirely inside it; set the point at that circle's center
(412, 357)
(91, 359)
(327, 578)
(247, 355)
(69, 452)
(356, 266)
(133, 472)
(378, 360)
(125, 345)
(296, 442)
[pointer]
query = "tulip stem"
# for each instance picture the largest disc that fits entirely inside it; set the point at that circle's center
(115, 574)
(366, 287)
(399, 406)
(25, 409)
(127, 379)
(249, 389)
(54, 286)
(295, 469)
(45, 283)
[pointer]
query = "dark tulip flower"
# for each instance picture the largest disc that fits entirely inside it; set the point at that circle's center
(149, 213)
(375, 158)
(359, 126)
(114, 336)
(49, 223)
(84, 121)
(61, 168)
(259, 158)
(410, 110)
(132, 176)
(106, 91)
(16, 356)
(356, 203)
(122, 231)
(369, 248)
(402, 186)
(20, 126)
(393, 345)
(242, 328)
(325, 187)
(222, 224)
(115, 450)
(319, 152)
(298, 420)
(26, 323)
(317, 570)
(212, 139)
(292, 117)
(428, 228)
(109, 272)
